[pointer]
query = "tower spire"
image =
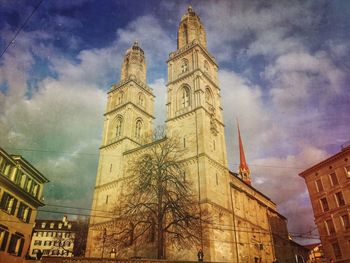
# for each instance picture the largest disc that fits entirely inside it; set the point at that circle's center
(243, 167)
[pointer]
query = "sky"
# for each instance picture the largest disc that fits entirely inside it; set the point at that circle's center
(284, 74)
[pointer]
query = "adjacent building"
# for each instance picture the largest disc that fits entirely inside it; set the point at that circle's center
(328, 183)
(53, 238)
(194, 116)
(21, 193)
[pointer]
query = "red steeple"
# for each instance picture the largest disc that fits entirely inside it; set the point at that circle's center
(243, 167)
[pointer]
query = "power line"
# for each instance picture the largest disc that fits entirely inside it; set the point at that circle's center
(97, 154)
(20, 29)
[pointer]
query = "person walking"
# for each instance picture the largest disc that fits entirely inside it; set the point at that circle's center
(200, 255)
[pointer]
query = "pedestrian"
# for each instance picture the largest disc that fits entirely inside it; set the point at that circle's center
(200, 255)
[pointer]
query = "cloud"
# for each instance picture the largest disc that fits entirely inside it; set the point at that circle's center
(58, 124)
(291, 196)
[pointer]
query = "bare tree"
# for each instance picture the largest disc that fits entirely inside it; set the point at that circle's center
(159, 205)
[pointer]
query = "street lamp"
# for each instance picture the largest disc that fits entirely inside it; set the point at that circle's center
(114, 253)
(104, 240)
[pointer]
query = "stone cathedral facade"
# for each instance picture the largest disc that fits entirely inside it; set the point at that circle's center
(246, 221)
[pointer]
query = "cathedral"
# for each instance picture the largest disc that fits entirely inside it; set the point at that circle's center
(251, 229)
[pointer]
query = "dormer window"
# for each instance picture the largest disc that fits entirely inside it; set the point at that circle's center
(52, 225)
(59, 225)
(43, 224)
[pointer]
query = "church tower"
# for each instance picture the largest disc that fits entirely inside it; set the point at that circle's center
(128, 124)
(243, 171)
(194, 115)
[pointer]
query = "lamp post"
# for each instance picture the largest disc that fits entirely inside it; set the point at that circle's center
(103, 240)
(114, 254)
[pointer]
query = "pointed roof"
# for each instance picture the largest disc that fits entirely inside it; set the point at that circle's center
(243, 166)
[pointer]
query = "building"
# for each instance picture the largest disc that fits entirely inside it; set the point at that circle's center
(316, 253)
(328, 183)
(53, 238)
(194, 116)
(21, 193)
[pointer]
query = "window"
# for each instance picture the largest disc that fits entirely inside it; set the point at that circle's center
(184, 142)
(346, 221)
(52, 225)
(340, 198)
(141, 101)
(69, 227)
(66, 243)
(7, 169)
(8, 203)
(106, 199)
(16, 244)
(46, 251)
(208, 97)
(184, 66)
(35, 251)
(185, 100)
(324, 203)
(37, 243)
(334, 179)
(206, 66)
(24, 212)
(17, 177)
(43, 224)
(4, 234)
(118, 128)
(319, 185)
(330, 226)
(336, 250)
(347, 171)
(138, 129)
(120, 98)
(47, 243)
(55, 252)
(217, 179)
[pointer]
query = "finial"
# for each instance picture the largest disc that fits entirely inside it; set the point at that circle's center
(189, 9)
(136, 43)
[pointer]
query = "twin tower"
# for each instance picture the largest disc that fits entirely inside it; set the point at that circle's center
(194, 114)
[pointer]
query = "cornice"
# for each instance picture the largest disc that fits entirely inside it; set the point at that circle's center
(118, 141)
(184, 76)
(142, 85)
(191, 112)
(20, 192)
(174, 55)
(124, 106)
(337, 156)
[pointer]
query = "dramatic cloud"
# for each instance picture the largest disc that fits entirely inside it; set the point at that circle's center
(281, 77)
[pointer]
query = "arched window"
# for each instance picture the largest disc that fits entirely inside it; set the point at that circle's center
(184, 65)
(185, 99)
(138, 129)
(208, 97)
(141, 101)
(118, 127)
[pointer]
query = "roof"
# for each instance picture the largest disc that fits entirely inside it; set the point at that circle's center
(342, 153)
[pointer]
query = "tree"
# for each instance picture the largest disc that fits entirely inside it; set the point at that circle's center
(159, 204)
